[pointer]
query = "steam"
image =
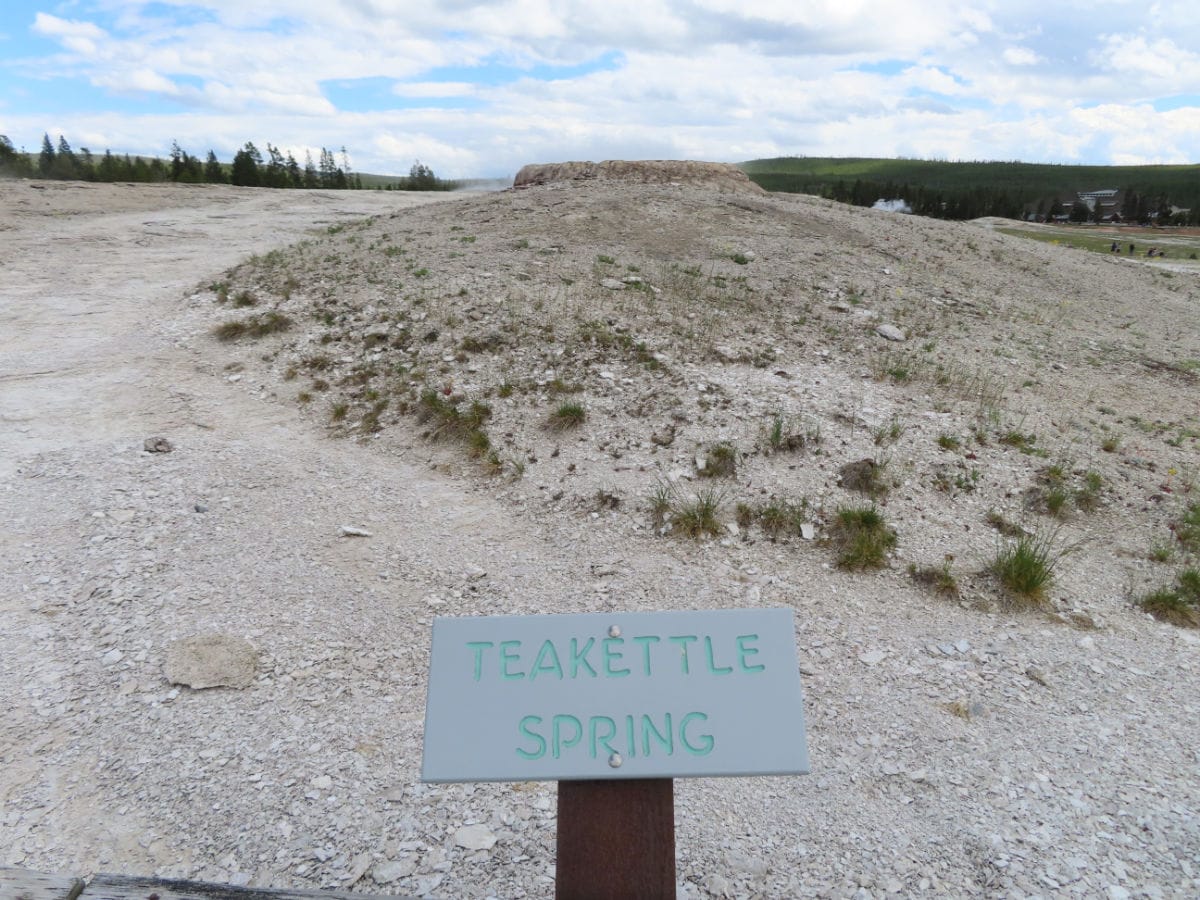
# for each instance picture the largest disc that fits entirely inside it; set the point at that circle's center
(900, 206)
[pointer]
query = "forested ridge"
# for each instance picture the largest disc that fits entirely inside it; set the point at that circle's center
(970, 190)
(249, 168)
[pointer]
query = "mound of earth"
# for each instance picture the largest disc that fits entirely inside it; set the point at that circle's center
(590, 396)
(718, 176)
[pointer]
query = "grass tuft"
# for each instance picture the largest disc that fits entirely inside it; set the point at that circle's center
(253, 326)
(720, 461)
(1026, 566)
(862, 537)
(566, 416)
(697, 517)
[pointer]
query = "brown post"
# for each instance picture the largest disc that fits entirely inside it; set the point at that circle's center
(616, 839)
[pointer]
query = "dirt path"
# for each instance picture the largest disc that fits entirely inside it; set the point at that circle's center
(85, 286)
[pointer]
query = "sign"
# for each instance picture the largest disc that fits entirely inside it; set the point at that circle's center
(621, 695)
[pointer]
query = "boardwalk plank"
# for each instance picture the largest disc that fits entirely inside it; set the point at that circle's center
(21, 884)
(128, 887)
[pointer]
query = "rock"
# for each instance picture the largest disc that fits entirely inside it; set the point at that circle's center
(322, 782)
(157, 445)
(112, 657)
(212, 660)
(718, 886)
(475, 837)
(890, 332)
(808, 531)
(354, 531)
(664, 438)
(1033, 673)
(723, 177)
(387, 872)
(613, 284)
(871, 658)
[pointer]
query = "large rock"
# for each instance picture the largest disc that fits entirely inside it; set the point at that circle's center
(721, 176)
(211, 660)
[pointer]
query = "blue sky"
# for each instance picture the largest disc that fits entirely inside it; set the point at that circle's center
(481, 87)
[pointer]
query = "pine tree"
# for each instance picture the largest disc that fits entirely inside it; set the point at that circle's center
(214, 172)
(245, 167)
(295, 178)
(65, 165)
(46, 157)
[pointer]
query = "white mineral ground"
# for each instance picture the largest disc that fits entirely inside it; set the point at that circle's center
(959, 747)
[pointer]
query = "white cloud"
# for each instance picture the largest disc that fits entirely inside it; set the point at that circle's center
(721, 79)
(1020, 56)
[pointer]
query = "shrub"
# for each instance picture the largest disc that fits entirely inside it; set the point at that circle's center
(862, 537)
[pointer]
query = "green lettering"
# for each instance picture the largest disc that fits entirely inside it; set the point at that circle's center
(557, 742)
(610, 655)
(631, 735)
(744, 651)
(649, 728)
(706, 740)
(599, 739)
(645, 640)
(580, 657)
(547, 661)
(712, 666)
(507, 658)
(540, 742)
(479, 647)
(683, 640)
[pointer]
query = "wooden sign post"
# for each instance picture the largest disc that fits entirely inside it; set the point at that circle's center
(614, 707)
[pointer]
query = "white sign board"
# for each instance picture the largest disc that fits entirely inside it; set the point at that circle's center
(621, 695)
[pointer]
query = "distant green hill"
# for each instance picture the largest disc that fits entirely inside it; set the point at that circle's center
(970, 189)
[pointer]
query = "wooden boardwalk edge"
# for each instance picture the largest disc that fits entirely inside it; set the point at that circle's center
(22, 884)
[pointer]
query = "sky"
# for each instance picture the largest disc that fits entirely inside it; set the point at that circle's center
(478, 89)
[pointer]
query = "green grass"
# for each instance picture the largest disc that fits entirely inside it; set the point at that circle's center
(866, 476)
(938, 579)
(448, 423)
(697, 517)
(1026, 566)
(782, 436)
(861, 537)
(567, 416)
(253, 326)
(1187, 529)
(720, 461)
(778, 517)
(1178, 604)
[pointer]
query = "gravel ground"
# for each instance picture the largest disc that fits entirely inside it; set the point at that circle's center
(961, 746)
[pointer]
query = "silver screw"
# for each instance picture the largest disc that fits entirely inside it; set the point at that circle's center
(614, 631)
(615, 760)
